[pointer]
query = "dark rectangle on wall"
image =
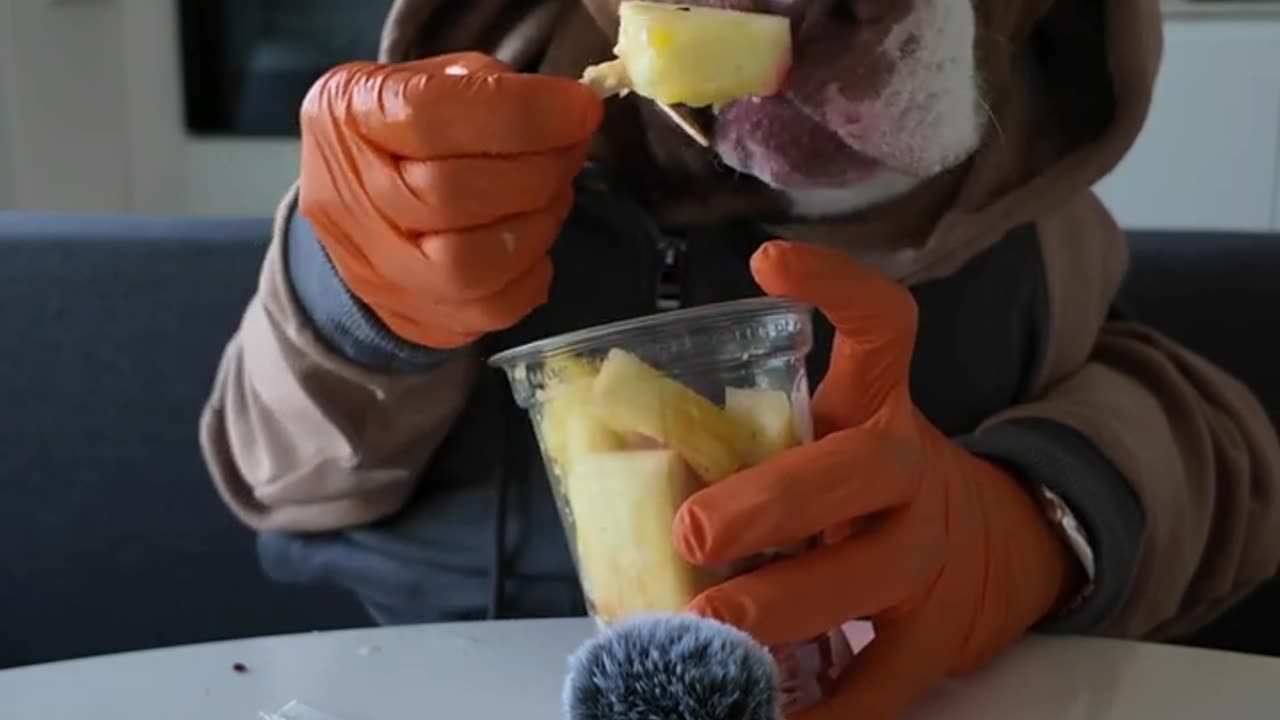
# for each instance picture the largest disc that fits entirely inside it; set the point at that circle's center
(247, 64)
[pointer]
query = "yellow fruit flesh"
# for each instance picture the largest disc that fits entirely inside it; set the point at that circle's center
(623, 505)
(567, 369)
(586, 435)
(566, 406)
(767, 415)
(677, 54)
(600, 425)
(629, 396)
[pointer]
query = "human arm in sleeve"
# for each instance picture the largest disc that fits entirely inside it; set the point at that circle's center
(319, 418)
(1171, 465)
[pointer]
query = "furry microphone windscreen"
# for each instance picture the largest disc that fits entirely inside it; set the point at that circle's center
(672, 668)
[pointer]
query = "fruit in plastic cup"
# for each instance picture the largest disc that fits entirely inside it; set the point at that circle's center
(635, 417)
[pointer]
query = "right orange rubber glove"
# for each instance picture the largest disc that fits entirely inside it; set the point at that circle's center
(948, 554)
(437, 187)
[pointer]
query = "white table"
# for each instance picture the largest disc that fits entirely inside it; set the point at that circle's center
(510, 671)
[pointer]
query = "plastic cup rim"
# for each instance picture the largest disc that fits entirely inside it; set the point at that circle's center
(597, 336)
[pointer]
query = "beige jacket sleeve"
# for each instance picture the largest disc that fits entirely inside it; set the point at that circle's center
(297, 437)
(300, 439)
(1192, 443)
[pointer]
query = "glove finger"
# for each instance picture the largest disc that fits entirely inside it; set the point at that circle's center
(424, 111)
(442, 195)
(458, 63)
(888, 677)
(876, 570)
(392, 274)
(402, 314)
(875, 320)
(360, 263)
(416, 330)
(419, 315)
(799, 494)
(381, 265)
(502, 309)
(471, 264)
(338, 203)
(447, 326)
(391, 201)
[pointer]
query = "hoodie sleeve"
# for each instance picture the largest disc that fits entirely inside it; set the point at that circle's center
(320, 419)
(1170, 464)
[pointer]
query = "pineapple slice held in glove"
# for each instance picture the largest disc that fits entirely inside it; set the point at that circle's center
(948, 554)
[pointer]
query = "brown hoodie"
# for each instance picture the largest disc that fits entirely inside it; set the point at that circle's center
(305, 434)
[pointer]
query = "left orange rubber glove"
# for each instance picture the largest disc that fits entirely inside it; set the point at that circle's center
(438, 186)
(950, 557)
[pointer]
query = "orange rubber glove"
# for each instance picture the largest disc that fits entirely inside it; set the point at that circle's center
(948, 555)
(438, 186)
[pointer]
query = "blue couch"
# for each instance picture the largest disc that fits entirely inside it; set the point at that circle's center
(111, 535)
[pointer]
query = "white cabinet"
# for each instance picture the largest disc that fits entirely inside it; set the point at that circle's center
(91, 119)
(1209, 156)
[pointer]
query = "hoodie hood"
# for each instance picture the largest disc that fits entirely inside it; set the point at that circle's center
(1069, 86)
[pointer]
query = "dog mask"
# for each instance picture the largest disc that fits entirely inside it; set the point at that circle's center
(898, 113)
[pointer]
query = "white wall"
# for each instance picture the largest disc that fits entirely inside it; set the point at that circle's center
(238, 177)
(91, 104)
(91, 118)
(172, 172)
(1209, 156)
(64, 79)
(6, 66)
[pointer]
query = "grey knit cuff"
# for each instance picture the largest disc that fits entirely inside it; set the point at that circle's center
(1060, 459)
(342, 321)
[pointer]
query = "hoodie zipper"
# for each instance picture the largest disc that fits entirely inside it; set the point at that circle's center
(669, 288)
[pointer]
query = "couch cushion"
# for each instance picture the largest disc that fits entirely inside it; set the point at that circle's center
(1217, 293)
(111, 535)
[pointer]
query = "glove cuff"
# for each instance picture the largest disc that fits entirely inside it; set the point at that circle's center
(1086, 498)
(345, 323)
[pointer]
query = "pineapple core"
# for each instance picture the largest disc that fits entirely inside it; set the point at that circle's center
(694, 56)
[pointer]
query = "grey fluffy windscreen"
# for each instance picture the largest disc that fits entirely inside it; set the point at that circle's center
(671, 668)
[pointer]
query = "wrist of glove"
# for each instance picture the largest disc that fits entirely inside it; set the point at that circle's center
(948, 554)
(437, 188)
(342, 321)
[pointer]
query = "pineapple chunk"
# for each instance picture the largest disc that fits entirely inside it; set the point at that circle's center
(695, 56)
(623, 505)
(566, 419)
(767, 415)
(584, 435)
(567, 369)
(633, 398)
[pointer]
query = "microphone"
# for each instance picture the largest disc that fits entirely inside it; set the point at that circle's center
(672, 667)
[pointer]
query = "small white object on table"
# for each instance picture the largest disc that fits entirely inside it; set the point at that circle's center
(512, 670)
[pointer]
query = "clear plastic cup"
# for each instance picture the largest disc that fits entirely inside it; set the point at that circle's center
(634, 417)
